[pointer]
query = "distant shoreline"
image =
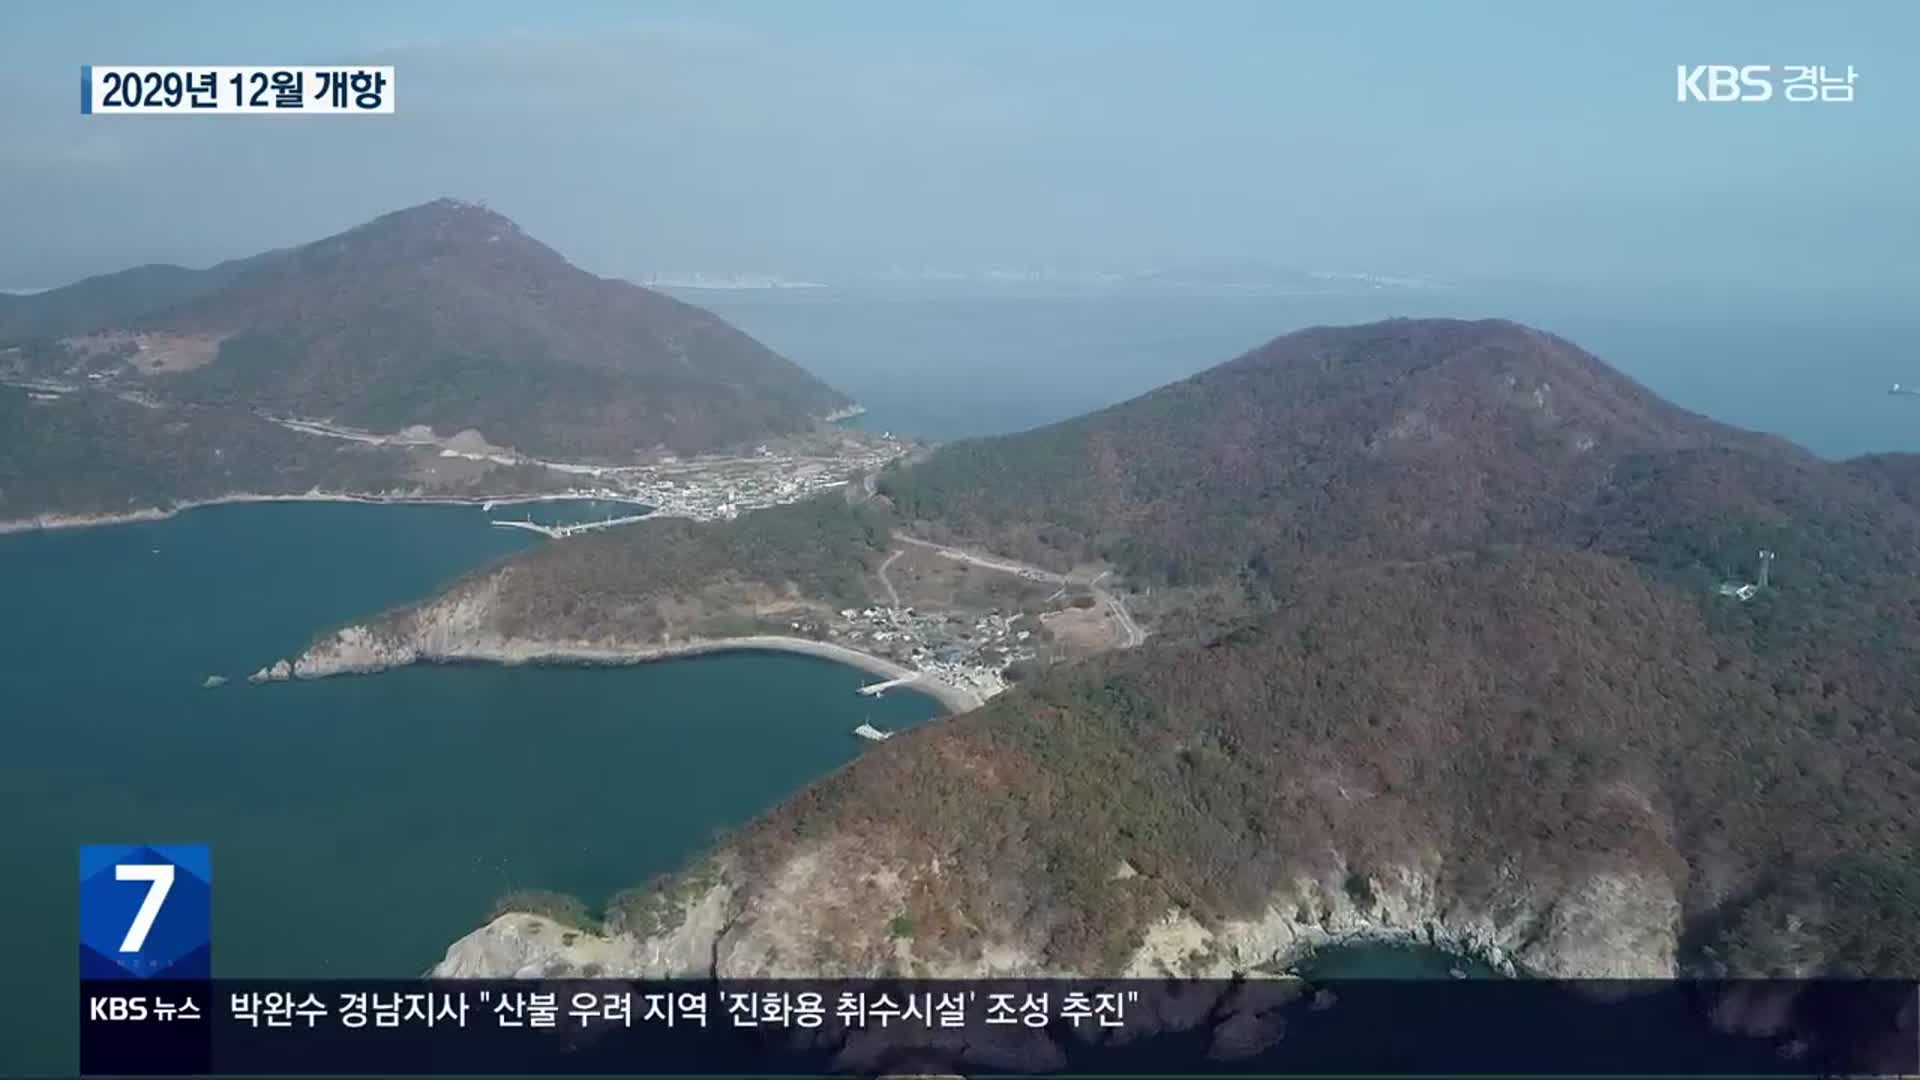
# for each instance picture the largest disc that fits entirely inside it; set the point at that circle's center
(50, 522)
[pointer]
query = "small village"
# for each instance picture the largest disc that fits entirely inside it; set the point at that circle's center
(963, 650)
(720, 488)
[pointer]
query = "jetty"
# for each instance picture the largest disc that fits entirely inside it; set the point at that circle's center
(561, 532)
(876, 689)
(868, 731)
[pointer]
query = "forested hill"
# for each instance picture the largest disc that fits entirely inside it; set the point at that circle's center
(1493, 677)
(1395, 440)
(115, 299)
(447, 315)
(1491, 659)
(1473, 740)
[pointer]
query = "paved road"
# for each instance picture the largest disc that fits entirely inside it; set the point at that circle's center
(1005, 566)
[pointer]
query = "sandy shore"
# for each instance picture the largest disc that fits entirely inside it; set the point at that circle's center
(326, 659)
(956, 699)
(87, 521)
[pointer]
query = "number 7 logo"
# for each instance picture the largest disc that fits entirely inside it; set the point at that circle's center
(160, 879)
(146, 911)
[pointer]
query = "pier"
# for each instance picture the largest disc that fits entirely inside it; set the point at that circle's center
(876, 689)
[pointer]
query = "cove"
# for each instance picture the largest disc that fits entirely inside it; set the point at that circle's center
(358, 825)
(1385, 960)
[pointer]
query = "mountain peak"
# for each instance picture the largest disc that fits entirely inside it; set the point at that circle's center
(442, 227)
(1409, 437)
(448, 314)
(447, 211)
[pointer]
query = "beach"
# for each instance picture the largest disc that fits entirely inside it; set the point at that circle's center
(350, 652)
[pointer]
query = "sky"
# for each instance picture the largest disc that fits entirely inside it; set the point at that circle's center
(1457, 139)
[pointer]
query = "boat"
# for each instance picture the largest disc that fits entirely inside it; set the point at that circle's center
(868, 731)
(1904, 390)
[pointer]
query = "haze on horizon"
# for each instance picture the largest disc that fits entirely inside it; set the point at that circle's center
(1446, 140)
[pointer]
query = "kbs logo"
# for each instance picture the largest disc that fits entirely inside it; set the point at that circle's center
(145, 911)
(1724, 82)
(1756, 83)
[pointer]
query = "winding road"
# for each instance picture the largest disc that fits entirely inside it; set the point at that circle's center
(1134, 635)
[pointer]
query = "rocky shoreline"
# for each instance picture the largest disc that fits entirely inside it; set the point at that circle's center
(805, 913)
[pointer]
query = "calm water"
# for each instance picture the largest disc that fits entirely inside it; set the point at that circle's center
(358, 825)
(1383, 961)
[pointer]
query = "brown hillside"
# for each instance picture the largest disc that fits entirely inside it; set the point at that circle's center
(1511, 721)
(1485, 685)
(1397, 439)
(447, 314)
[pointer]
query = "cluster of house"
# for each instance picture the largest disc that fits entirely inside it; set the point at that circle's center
(967, 650)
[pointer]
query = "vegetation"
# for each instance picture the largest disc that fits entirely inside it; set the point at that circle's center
(445, 315)
(90, 452)
(1436, 591)
(1401, 439)
(448, 315)
(659, 906)
(1524, 713)
(107, 300)
(566, 910)
(677, 578)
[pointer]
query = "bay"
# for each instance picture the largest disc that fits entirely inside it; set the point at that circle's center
(358, 825)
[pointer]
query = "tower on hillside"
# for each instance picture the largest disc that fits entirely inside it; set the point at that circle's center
(1766, 567)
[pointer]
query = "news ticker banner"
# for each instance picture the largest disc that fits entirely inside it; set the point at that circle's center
(137, 90)
(589, 1027)
(149, 1006)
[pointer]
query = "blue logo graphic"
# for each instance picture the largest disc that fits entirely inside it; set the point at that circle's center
(146, 911)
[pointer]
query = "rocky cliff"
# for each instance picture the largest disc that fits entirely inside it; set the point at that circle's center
(833, 910)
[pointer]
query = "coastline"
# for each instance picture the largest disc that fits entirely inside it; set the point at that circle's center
(955, 699)
(50, 522)
(316, 664)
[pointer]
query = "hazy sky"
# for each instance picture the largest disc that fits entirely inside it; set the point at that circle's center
(1439, 138)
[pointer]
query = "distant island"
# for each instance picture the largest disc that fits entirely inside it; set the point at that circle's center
(1412, 632)
(436, 352)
